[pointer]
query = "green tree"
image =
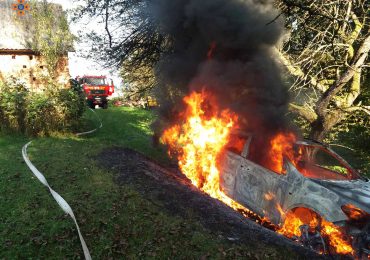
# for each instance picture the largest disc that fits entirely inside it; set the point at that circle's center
(51, 35)
(326, 54)
(131, 42)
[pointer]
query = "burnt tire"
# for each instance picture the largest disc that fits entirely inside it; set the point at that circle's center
(310, 230)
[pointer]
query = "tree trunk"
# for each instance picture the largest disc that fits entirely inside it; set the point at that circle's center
(318, 131)
(322, 125)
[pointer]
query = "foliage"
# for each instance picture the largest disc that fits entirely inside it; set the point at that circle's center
(353, 142)
(39, 113)
(326, 54)
(134, 47)
(51, 35)
(140, 80)
(13, 102)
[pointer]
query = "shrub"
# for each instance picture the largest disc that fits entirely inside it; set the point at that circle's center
(41, 113)
(13, 99)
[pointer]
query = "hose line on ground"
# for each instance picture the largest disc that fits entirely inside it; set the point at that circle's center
(59, 199)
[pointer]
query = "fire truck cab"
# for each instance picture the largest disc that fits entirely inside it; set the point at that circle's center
(97, 89)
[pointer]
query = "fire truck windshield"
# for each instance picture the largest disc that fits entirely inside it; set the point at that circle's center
(95, 81)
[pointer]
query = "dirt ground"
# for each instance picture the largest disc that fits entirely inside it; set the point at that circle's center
(169, 189)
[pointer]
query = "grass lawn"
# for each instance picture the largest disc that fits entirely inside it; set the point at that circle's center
(116, 221)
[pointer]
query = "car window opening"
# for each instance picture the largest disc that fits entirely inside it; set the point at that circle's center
(311, 161)
(318, 163)
(236, 144)
(260, 153)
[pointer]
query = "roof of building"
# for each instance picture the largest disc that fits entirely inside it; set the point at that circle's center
(18, 51)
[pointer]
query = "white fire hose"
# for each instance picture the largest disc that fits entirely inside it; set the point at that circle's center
(61, 202)
(94, 130)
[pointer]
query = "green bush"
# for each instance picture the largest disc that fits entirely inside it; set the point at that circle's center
(39, 113)
(13, 99)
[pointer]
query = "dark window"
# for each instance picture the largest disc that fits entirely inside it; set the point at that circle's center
(95, 81)
(13, 57)
(327, 161)
(34, 78)
(31, 57)
(24, 66)
(318, 163)
(41, 67)
(259, 153)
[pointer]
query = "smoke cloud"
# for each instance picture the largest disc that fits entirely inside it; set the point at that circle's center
(225, 47)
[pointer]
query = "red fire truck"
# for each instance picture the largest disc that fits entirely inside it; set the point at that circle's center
(97, 89)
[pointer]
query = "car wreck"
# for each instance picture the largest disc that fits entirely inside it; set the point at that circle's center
(316, 185)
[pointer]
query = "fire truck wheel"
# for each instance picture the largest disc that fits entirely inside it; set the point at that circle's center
(105, 105)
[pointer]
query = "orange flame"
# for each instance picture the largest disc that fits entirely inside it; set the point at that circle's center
(354, 213)
(199, 141)
(336, 238)
(300, 216)
(281, 145)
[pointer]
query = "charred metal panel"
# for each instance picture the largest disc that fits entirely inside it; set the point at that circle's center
(230, 162)
(306, 193)
(270, 194)
(356, 192)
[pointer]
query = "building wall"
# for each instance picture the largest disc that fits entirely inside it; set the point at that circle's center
(16, 36)
(15, 32)
(31, 69)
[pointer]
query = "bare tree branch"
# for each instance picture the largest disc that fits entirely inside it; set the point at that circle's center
(297, 71)
(358, 61)
(303, 111)
(106, 22)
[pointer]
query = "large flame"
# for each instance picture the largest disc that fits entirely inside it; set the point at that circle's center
(281, 145)
(336, 238)
(199, 141)
(299, 216)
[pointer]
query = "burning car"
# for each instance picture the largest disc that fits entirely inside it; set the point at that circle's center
(316, 197)
(301, 189)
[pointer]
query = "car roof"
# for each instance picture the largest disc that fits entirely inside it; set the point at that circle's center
(310, 142)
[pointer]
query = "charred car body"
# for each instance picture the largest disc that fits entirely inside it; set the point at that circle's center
(320, 181)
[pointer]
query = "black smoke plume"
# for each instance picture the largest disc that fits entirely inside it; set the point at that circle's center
(224, 46)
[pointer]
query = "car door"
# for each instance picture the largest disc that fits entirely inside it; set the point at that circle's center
(259, 188)
(278, 188)
(250, 186)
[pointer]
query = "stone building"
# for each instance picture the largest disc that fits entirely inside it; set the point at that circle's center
(17, 59)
